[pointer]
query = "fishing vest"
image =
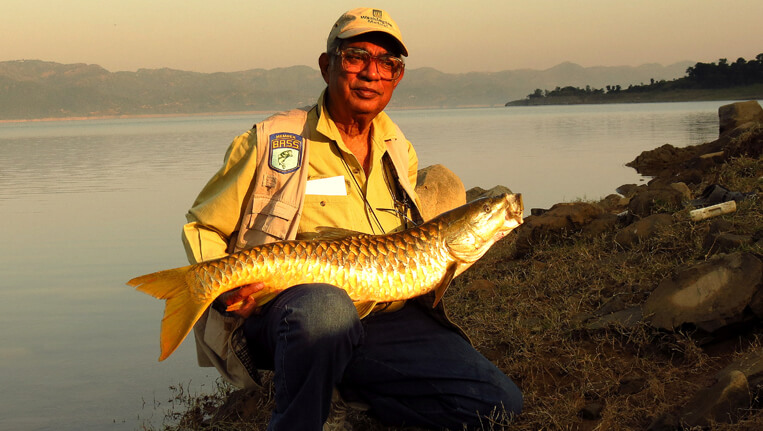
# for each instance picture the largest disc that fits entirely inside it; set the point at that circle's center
(277, 191)
(272, 213)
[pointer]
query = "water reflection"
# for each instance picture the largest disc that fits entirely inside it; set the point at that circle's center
(553, 154)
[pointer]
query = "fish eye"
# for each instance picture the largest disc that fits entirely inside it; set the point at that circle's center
(486, 208)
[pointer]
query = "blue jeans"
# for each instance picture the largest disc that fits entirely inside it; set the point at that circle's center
(410, 369)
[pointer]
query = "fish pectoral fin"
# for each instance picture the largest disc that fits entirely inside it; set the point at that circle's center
(260, 299)
(235, 306)
(365, 307)
(439, 291)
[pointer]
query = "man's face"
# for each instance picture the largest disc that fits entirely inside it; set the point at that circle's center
(360, 93)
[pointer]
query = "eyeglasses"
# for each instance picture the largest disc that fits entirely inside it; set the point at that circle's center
(355, 60)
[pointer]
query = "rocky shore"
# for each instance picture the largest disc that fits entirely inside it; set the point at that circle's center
(711, 291)
(643, 310)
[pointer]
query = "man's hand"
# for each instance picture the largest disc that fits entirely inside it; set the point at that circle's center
(239, 301)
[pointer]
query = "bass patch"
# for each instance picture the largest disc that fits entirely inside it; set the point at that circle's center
(285, 152)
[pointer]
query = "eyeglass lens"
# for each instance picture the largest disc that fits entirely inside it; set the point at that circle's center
(354, 60)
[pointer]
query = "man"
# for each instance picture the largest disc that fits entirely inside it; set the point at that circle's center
(342, 163)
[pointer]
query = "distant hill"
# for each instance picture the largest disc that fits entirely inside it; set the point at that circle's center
(32, 89)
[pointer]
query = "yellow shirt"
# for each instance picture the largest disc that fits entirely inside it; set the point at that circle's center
(216, 211)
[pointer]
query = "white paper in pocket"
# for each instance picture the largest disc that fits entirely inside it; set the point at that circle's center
(332, 186)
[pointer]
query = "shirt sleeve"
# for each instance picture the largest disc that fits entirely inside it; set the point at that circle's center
(216, 211)
(413, 164)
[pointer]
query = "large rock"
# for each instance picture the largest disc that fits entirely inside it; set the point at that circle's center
(628, 190)
(736, 114)
(724, 402)
(642, 229)
(727, 242)
(751, 364)
(655, 199)
(478, 192)
(600, 225)
(440, 190)
(745, 140)
(709, 295)
(561, 218)
(756, 304)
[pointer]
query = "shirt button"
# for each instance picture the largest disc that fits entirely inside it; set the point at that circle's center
(323, 203)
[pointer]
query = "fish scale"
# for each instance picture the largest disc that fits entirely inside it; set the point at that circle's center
(371, 269)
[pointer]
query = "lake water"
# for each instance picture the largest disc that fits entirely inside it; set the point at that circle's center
(87, 205)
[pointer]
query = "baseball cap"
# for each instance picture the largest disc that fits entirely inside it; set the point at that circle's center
(365, 20)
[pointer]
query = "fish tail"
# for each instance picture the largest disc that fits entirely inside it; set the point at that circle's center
(181, 311)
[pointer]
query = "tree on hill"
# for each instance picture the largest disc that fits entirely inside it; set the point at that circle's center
(723, 74)
(700, 76)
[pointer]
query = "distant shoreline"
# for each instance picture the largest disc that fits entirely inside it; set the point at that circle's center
(752, 92)
(132, 116)
(207, 114)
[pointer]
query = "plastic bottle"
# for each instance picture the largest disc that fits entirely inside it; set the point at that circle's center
(713, 210)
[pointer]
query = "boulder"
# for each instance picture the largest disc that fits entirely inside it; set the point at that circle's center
(655, 199)
(479, 192)
(628, 190)
(756, 303)
(600, 224)
(724, 402)
(751, 364)
(614, 202)
(726, 242)
(439, 189)
(736, 114)
(712, 230)
(683, 189)
(559, 219)
(642, 229)
(745, 140)
(709, 295)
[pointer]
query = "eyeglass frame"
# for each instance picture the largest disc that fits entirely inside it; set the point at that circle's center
(340, 53)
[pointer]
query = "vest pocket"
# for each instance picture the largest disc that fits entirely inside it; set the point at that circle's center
(269, 223)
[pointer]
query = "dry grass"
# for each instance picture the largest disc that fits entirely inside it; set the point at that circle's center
(533, 326)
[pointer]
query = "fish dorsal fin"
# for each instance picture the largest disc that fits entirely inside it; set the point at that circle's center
(439, 291)
(327, 233)
(364, 308)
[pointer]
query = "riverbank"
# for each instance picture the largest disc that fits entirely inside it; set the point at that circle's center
(566, 305)
(751, 92)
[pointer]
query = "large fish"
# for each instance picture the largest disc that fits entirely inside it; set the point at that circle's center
(370, 268)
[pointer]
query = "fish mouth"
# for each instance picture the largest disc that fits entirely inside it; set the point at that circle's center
(514, 211)
(514, 208)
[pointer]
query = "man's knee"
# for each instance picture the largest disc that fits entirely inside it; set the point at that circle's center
(322, 311)
(501, 400)
(507, 402)
(512, 399)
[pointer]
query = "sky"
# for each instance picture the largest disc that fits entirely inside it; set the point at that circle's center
(453, 36)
